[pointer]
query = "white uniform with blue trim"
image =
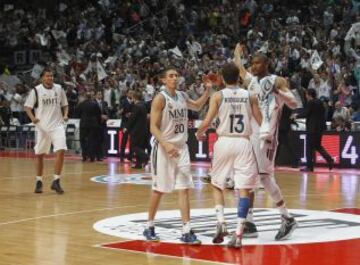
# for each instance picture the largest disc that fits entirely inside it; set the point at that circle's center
(265, 137)
(172, 173)
(233, 154)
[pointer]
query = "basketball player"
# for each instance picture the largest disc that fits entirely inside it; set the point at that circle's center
(233, 154)
(273, 93)
(50, 111)
(170, 160)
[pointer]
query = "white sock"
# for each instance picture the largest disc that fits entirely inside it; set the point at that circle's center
(283, 210)
(240, 226)
(186, 227)
(38, 178)
(56, 177)
(250, 216)
(150, 223)
(219, 209)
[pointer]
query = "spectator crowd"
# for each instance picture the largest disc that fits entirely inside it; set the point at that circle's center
(117, 46)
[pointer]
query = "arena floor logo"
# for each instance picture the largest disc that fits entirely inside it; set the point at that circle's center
(137, 179)
(314, 226)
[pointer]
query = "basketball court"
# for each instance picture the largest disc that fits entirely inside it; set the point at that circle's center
(101, 216)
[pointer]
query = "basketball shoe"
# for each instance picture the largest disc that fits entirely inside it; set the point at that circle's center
(149, 234)
(56, 186)
(190, 238)
(221, 232)
(235, 241)
(250, 230)
(288, 226)
(38, 186)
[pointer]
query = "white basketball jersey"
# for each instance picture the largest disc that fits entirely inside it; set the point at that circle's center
(234, 113)
(174, 122)
(50, 102)
(270, 105)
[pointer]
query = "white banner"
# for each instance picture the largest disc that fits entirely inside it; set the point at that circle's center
(315, 60)
(176, 51)
(100, 71)
(36, 71)
(354, 32)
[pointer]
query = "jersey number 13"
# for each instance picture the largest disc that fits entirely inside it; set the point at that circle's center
(236, 123)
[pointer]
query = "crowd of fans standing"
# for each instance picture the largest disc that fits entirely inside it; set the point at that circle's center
(117, 46)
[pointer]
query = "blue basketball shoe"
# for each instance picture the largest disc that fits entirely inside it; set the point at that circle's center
(190, 238)
(149, 234)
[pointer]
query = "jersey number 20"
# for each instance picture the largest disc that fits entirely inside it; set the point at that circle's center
(236, 123)
(179, 128)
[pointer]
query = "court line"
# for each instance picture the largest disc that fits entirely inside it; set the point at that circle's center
(156, 255)
(65, 214)
(63, 174)
(88, 211)
(113, 208)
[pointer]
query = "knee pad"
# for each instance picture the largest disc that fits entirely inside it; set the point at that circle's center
(270, 185)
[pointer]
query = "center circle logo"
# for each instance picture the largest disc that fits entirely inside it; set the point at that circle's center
(314, 226)
(137, 179)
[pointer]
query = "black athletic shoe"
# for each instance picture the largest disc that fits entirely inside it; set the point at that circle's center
(250, 230)
(56, 186)
(331, 164)
(221, 232)
(206, 179)
(288, 226)
(38, 187)
(235, 241)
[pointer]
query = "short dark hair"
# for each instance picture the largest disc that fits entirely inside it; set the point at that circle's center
(137, 95)
(311, 92)
(263, 56)
(46, 70)
(230, 73)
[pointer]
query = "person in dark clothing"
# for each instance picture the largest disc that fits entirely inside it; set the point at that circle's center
(5, 111)
(90, 117)
(137, 127)
(148, 134)
(72, 95)
(283, 137)
(104, 109)
(125, 109)
(314, 113)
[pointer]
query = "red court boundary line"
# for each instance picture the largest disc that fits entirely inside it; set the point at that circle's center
(338, 252)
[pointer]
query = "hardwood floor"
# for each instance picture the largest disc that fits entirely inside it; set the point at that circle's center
(56, 229)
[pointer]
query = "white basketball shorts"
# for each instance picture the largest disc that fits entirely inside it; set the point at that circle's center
(265, 153)
(170, 173)
(234, 158)
(44, 139)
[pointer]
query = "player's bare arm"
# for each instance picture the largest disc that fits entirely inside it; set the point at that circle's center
(244, 74)
(256, 109)
(282, 89)
(31, 116)
(157, 107)
(211, 114)
(65, 111)
(200, 102)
